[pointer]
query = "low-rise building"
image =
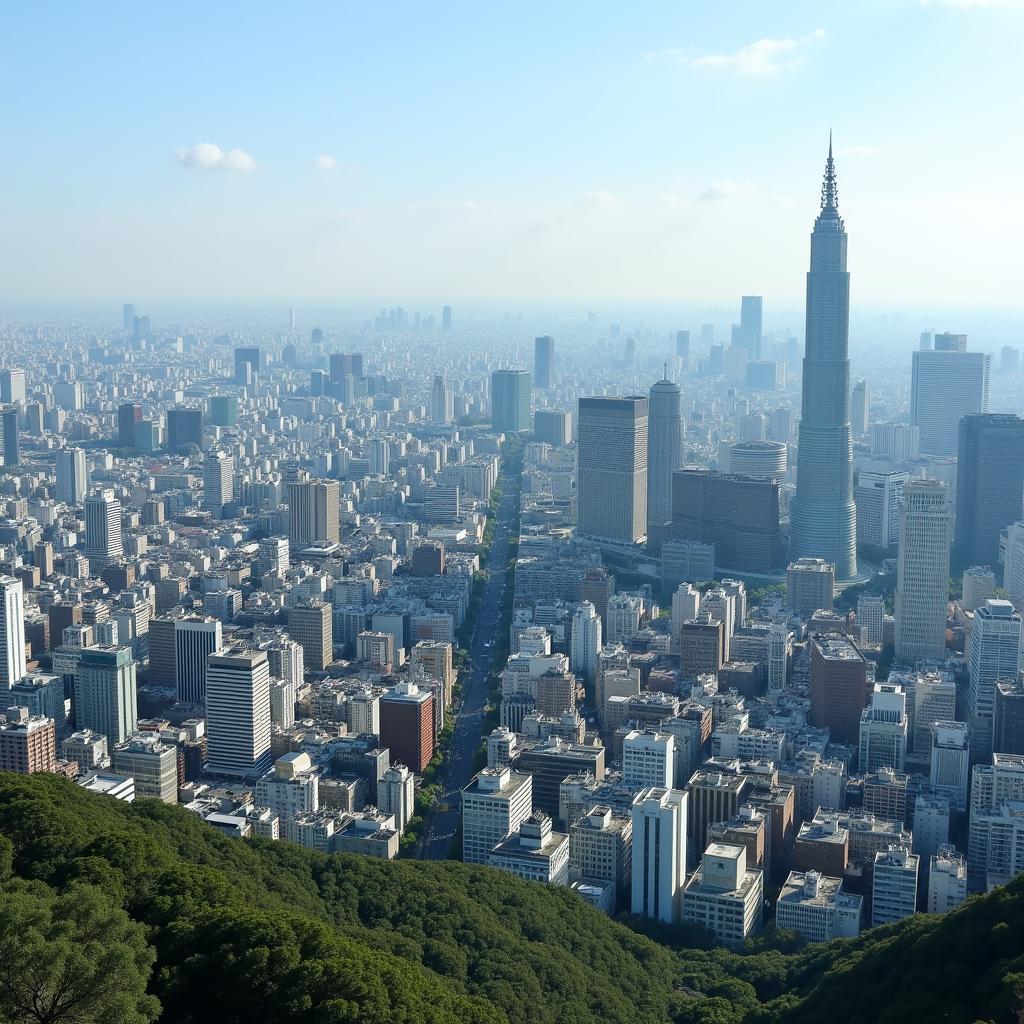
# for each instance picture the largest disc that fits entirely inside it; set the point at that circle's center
(535, 852)
(724, 896)
(815, 905)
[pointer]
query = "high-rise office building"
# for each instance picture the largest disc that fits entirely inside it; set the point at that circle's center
(510, 401)
(945, 387)
(238, 712)
(612, 468)
(553, 427)
(104, 691)
(127, 416)
(860, 419)
(1008, 716)
(313, 512)
(223, 410)
(72, 476)
(664, 451)
(218, 482)
(441, 405)
(839, 686)
(103, 526)
(879, 497)
(883, 729)
(750, 331)
(12, 631)
(823, 516)
(659, 853)
(310, 625)
(979, 584)
(407, 725)
(995, 655)
(648, 757)
(247, 364)
(12, 387)
(739, 515)
(128, 315)
(585, 642)
(922, 575)
(683, 348)
(893, 886)
(544, 362)
(195, 639)
(494, 805)
(10, 443)
(446, 318)
(989, 484)
(184, 428)
(1013, 563)
(345, 364)
(945, 342)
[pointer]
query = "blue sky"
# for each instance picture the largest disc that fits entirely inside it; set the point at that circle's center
(576, 152)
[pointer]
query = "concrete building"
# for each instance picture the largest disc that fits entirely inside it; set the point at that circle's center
(949, 762)
(238, 712)
(612, 468)
(12, 632)
(816, 907)
(658, 869)
(290, 789)
(647, 759)
(585, 642)
(893, 886)
(510, 401)
(922, 584)
(311, 626)
(883, 729)
(105, 694)
(195, 639)
(810, 585)
(947, 880)
(995, 655)
(601, 848)
(724, 896)
(535, 853)
(879, 495)
(103, 527)
(494, 805)
(839, 686)
(27, 744)
(152, 763)
(313, 512)
(978, 585)
(407, 725)
(396, 794)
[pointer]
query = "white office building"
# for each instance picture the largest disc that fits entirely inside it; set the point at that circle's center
(238, 712)
(290, 788)
(883, 729)
(494, 805)
(12, 631)
(950, 761)
(995, 655)
(658, 853)
(815, 906)
(103, 526)
(72, 476)
(647, 759)
(396, 794)
(724, 896)
(947, 880)
(585, 642)
(894, 886)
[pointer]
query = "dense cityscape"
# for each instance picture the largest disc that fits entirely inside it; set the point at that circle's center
(441, 663)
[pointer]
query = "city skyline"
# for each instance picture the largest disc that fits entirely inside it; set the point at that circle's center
(519, 186)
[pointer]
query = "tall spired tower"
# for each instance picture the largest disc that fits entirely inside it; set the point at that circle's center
(823, 517)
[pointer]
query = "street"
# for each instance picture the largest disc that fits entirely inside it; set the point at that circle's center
(469, 717)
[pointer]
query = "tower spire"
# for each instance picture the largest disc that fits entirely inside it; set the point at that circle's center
(829, 188)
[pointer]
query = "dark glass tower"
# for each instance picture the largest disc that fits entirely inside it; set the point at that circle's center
(823, 517)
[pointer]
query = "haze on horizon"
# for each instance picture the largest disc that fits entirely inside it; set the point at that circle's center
(252, 154)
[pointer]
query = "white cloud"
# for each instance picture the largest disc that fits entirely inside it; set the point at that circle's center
(325, 163)
(208, 156)
(763, 57)
(599, 197)
(719, 190)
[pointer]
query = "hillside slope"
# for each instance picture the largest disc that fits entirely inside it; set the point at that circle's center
(260, 930)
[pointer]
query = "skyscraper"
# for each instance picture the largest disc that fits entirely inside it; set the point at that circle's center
(9, 434)
(310, 624)
(247, 364)
(995, 655)
(750, 325)
(440, 401)
(72, 476)
(510, 400)
(105, 695)
(989, 484)
(683, 348)
(612, 468)
(127, 416)
(313, 512)
(922, 580)
(446, 318)
(218, 482)
(946, 386)
(184, 427)
(544, 362)
(823, 517)
(128, 315)
(659, 852)
(664, 450)
(195, 639)
(585, 642)
(103, 526)
(12, 631)
(238, 712)
(859, 417)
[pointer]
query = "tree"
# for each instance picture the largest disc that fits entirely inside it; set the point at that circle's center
(72, 958)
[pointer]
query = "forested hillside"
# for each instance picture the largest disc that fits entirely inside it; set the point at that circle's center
(121, 914)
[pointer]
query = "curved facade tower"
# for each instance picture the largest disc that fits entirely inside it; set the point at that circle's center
(664, 450)
(823, 517)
